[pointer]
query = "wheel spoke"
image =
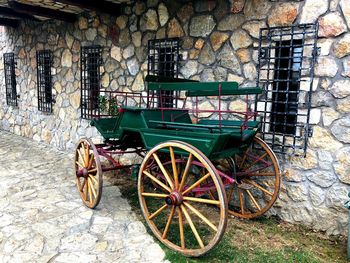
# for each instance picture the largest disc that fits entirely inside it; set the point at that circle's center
(201, 200)
(229, 195)
(241, 201)
(81, 186)
(87, 149)
(201, 216)
(93, 179)
(170, 218)
(196, 183)
(254, 156)
(165, 173)
(157, 212)
(93, 170)
(92, 187)
(154, 195)
(188, 164)
(91, 160)
(89, 188)
(181, 229)
(80, 156)
(79, 164)
(194, 230)
(157, 181)
(244, 158)
(256, 161)
(86, 190)
(173, 163)
(257, 174)
(254, 171)
(259, 187)
(253, 200)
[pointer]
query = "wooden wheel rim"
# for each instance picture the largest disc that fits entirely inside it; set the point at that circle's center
(90, 196)
(276, 189)
(220, 192)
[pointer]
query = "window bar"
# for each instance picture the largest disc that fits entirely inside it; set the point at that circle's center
(299, 73)
(289, 79)
(44, 82)
(276, 91)
(312, 73)
(10, 79)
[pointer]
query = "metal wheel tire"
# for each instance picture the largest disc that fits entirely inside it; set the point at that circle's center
(174, 194)
(258, 181)
(88, 172)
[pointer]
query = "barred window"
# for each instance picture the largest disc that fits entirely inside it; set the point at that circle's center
(91, 60)
(163, 61)
(10, 79)
(163, 57)
(287, 57)
(44, 81)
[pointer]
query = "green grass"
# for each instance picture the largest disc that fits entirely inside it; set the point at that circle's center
(261, 240)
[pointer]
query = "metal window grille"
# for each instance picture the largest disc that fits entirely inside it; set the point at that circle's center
(163, 61)
(91, 60)
(10, 79)
(287, 56)
(44, 82)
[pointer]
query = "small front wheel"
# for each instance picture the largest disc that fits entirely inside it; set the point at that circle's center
(88, 172)
(174, 186)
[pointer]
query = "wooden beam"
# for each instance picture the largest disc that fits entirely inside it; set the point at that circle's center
(8, 12)
(9, 22)
(42, 11)
(97, 5)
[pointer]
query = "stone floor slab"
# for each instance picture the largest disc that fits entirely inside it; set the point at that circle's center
(42, 218)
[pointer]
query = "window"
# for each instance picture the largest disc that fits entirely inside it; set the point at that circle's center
(91, 60)
(10, 79)
(286, 60)
(44, 82)
(286, 84)
(163, 61)
(163, 57)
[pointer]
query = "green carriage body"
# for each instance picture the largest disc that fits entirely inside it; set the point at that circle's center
(201, 168)
(215, 138)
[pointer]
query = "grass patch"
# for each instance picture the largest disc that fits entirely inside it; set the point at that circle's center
(261, 240)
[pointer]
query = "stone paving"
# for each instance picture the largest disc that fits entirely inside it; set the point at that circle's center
(42, 218)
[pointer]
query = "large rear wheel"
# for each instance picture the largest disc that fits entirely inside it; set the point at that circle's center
(174, 185)
(257, 181)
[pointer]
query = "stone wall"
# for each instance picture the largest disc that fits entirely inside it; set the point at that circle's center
(217, 40)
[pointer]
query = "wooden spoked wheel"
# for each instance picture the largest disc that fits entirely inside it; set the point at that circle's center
(88, 172)
(258, 181)
(174, 193)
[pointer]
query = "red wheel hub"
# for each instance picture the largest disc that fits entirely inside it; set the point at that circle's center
(83, 173)
(174, 198)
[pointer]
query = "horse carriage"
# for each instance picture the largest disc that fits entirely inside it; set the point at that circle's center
(198, 165)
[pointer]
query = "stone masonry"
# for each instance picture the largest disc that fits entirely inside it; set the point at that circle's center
(217, 44)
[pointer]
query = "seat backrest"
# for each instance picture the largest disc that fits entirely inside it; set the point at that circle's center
(202, 89)
(153, 78)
